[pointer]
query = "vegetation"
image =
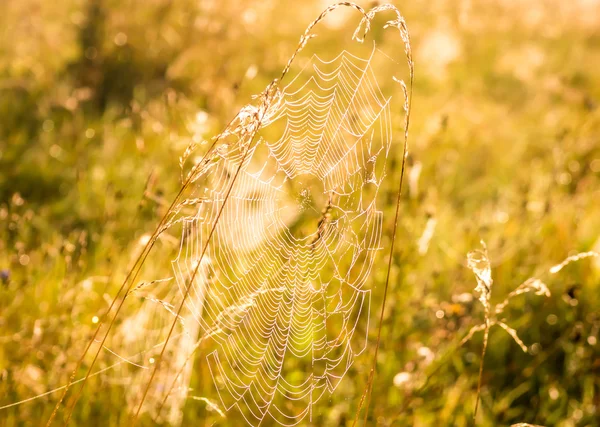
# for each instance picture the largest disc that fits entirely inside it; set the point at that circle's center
(100, 98)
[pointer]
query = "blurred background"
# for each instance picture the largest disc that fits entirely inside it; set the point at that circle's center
(99, 99)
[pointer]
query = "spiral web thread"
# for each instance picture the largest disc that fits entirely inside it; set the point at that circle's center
(271, 297)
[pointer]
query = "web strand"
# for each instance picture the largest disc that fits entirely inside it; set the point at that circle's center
(275, 293)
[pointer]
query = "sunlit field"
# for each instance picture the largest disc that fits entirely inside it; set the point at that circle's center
(185, 240)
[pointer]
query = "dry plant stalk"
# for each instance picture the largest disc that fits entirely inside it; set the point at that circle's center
(244, 127)
(478, 261)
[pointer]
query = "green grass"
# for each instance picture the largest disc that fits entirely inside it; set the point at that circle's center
(509, 151)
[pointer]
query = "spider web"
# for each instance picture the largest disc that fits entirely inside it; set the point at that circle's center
(283, 284)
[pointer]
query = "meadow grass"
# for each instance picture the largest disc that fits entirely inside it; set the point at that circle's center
(100, 99)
